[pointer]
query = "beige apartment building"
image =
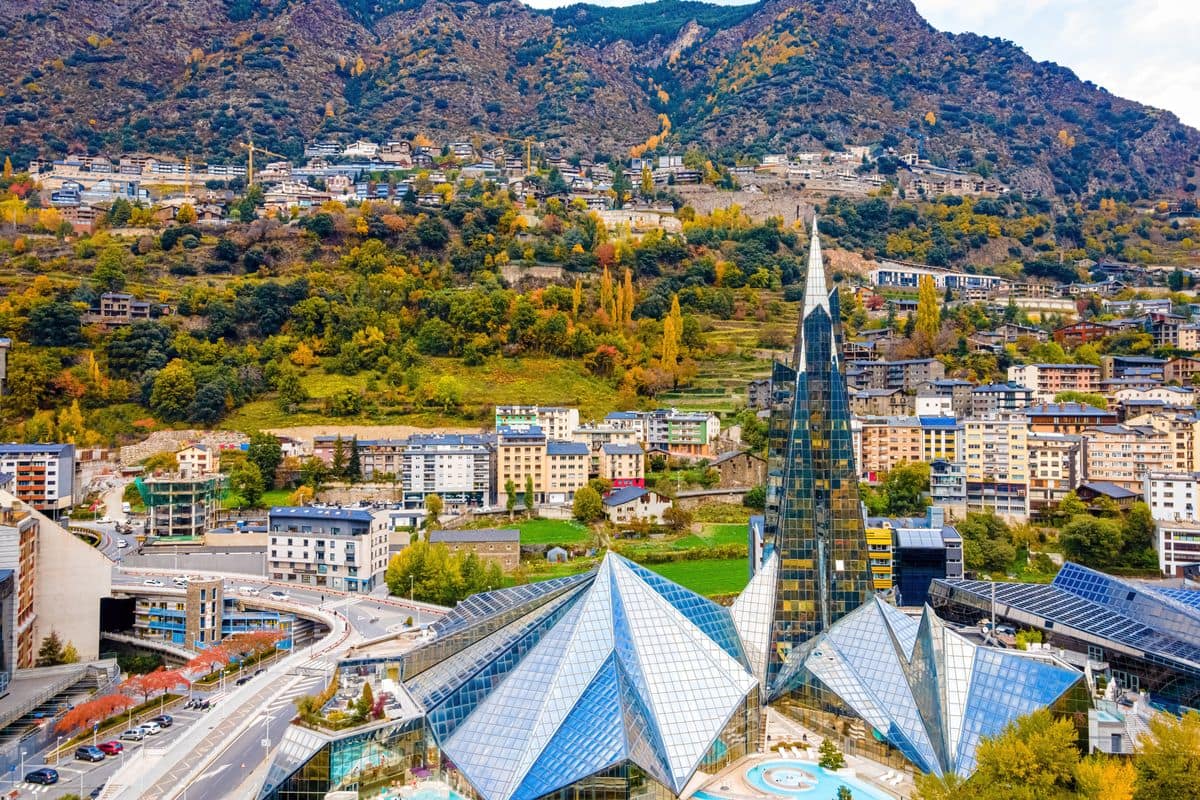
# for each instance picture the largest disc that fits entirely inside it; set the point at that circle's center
(1049, 379)
(888, 441)
(1123, 454)
(623, 465)
(1056, 466)
(558, 469)
(995, 452)
(1183, 430)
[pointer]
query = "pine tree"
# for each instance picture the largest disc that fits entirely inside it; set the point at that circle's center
(354, 464)
(529, 495)
(50, 654)
(339, 457)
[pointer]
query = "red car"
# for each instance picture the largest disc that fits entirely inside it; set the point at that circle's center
(111, 748)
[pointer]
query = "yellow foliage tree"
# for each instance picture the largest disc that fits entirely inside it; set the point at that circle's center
(1105, 778)
(627, 294)
(930, 118)
(929, 311)
(8, 167)
(606, 291)
(303, 356)
(186, 215)
(576, 298)
(670, 346)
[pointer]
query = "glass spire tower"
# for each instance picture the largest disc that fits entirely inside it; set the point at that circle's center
(814, 524)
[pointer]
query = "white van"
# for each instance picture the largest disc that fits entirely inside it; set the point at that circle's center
(125, 508)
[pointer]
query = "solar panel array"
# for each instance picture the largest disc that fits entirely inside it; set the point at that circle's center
(483, 605)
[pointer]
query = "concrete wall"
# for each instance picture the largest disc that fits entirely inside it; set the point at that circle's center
(72, 577)
(219, 540)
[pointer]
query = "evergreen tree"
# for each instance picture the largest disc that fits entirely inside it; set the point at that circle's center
(831, 757)
(354, 464)
(339, 457)
(529, 495)
(510, 497)
(50, 654)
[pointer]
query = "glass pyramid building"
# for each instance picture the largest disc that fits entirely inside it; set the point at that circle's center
(619, 673)
(813, 519)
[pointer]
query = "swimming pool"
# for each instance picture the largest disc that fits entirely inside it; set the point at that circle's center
(801, 780)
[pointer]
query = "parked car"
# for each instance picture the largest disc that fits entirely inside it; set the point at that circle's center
(249, 591)
(243, 680)
(133, 735)
(151, 728)
(163, 720)
(112, 748)
(278, 595)
(122, 543)
(89, 753)
(96, 792)
(152, 582)
(44, 776)
(125, 508)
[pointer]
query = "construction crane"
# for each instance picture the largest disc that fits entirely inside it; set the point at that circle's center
(529, 142)
(251, 148)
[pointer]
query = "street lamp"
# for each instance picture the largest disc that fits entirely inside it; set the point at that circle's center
(57, 752)
(22, 765)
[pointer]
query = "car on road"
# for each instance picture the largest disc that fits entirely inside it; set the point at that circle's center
(278, 595)
(243, 680)
(96, 792)
(163, 720)
(44, 776)
(112, 748)
(152, 582)
(122, 543)
(151, 728)
(249, 591)
(125, 508)
(133, 735)
(89, 753)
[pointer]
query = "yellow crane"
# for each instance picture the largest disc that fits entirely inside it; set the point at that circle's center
(251, 149)
(529, 143)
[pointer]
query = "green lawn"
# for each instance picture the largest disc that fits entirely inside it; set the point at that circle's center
(707, 576)
(271, 497)
(713, 534)
(550, 531)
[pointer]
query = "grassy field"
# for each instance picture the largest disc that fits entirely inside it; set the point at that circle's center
(713, 534)
(271, 497)
(544, 381)
(707, 576)
(546, 531)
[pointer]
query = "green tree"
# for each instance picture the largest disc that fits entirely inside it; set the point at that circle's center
(313, 472)
(247, 481)
(1092, 541)
(1086, 398)
(831, 757)
(50, 653)
(949, 786)
(587, 506)
(366, 701)
(677, 518)
(447, 392)
(290, 388)
(529, 498)
(1168, 758)
(1138, 535)
(987, 543)
(756, 498)
(1070, 506)
(844, 793)
(354, 462)
(338, 467)
(54, 324)
(433, 510)
(929, 312)
(109, 274)
(266, 453)
(1034, 758)
(173, 391)
(510, 497)
(905, 487)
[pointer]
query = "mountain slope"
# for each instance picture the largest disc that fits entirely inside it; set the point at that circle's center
(199, 75)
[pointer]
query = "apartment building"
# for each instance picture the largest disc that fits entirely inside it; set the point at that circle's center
(880, 402)
(43, 474)
(378, 459)
(1182, 369)
(520, 456)
(1057, 464)
(556, 422)
(1143, 367)
(940, 438)
(879, 554)
(179, 506)
(623, 465)
(197, 460)
(1123, 454)
(998, 398)
(1174, 500)
(1047, 380)
(948, 487)
(567, 467)
(957, 391)
(685, 434)
(338, 548)
(996, 455)
(456, 467)
(199, 615)
(1066, 417)
(908, 375)
(1178, 546)
(886, 442)
(19, 553)
(1184, 433)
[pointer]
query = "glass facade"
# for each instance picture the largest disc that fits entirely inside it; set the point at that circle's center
(813, 516)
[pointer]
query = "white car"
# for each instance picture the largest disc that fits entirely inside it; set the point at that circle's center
(278, 595)
(122, 543)
(248, 591)
(150, 728)
(152, 582)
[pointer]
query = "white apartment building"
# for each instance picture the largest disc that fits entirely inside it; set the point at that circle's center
(43, 474)
(455, 467)
(196, 461)
(557, 422)
(339, 548)
(1174, 500)
(1056, 466)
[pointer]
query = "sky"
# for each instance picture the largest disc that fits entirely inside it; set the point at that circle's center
(1145, 50)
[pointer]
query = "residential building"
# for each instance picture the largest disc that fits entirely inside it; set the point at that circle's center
(1066, 417)
(339, 548)
(1133, 308)
(199, 615)
(888, 441)
(758, 393)
(948, 487)
(378, 459)
(879, 402)
(1177, 543)
(1164, 328)
(1183, 429)
(924, 549)
(1082, 332)
(934, 405)
(57, 582)
(908, 375)
(1123, 454)
(1057, 465)
(1188, 338)
(502, 545)
(998, 398)
(740, 469)
(958, 391)
(996, 456)
(1182, 369)
(43, 474)
(879, 553)
(1173, 398)
(1106, 495)
(908, 276)
(684, 434)
(1173, 496)
(623, 465)
(633, 503)
(628, 420)
(181, 507)
(197, 460)
(456, 467)
(1050, 379)
(940, 438)
(555, 421)
(116, 309)
(1144, 367)
(567, 468)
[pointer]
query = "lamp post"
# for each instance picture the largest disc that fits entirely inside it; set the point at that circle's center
(57, 751)
(22, 764)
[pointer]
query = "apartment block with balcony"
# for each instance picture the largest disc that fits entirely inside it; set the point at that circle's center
(940, 438)
(879, 555)
(520, 457)
(1066, 417)
(179, 506)
(1047, 380)
(1174, 500)
(1057, 465)
(199, 615)
(948, 487)
(996, 455)
(684, 434)
(1184, 433)
(456, 467)
(999, 398)
(886, 442)
(908, 375)
(623, 465)
(43, 474)
(567, 468)
(19, 532)
(557, 422)
(1123, 454)
(338, 548)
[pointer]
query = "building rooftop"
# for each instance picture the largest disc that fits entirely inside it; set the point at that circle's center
(556, 448)
(939, 422)
(615, 449)
(624, 495)
(36, 449)
(1109, 489)
(475, 535)
(321, 512)
(1066, 410)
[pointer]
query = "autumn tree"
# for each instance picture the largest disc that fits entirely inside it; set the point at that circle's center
(85, 715)
(1168, 758)
(151, 683)
(929, 313)
(1032, 759)
(433, 509)
(587, 505)
(1104, 778)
